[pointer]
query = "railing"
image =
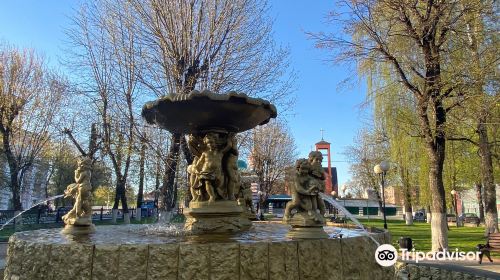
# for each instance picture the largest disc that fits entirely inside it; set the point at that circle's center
(45, 216)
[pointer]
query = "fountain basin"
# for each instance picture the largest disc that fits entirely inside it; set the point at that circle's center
(206, 111)
(152, 252)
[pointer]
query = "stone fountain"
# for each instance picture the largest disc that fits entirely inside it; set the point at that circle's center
(211, 122)
(217, 241)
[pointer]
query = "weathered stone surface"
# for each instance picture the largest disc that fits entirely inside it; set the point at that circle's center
(194, 261)
(163, 261)
(331, 255)
(468, 276)
(425, 272)
(359, 250)
(414, 271)
(36, 268)
(105, 262)
(435, 273)
(457, 275)
(224, 260)
(132, 263)
(70, 261)
(15, 257)
(349, 258)
(254, 261)
(277, 264)
(291, 260)
(310, 262)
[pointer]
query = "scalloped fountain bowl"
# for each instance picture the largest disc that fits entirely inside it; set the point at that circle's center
(205, 111)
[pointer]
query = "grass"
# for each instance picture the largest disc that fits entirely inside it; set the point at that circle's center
(463, 238)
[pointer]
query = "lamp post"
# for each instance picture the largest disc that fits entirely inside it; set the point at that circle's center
(381, 170)
(454, 204)
(344, 188)
(334, 196)
(261, 204)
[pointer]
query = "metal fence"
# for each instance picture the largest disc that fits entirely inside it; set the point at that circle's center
(45, 216)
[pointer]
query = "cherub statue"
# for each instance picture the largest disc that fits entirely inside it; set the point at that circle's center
(245, 197)
(301, 190)
(209, 166)
(318, 175)
(308, 183)
(233, 180)
(81, 191)
(195, 145)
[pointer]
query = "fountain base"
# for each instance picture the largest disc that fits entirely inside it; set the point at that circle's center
(307, 233)
(78, 229)
(215, 217)
(306, 226)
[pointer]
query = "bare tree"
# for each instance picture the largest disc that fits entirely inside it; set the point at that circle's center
(108, 54)
(272, 151)
(207, 44)
(420, 40)
(31, 97)
(368, 150)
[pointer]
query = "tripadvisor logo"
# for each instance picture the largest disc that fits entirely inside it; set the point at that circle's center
(386, 255)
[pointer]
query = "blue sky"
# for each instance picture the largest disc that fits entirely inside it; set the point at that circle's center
(320, 103)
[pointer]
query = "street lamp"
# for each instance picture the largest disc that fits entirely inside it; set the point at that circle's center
(381, 170)
(334, 194)
(454, 204)
(331, 208)
(261, 203)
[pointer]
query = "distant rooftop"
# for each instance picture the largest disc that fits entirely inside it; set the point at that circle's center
(322, 142)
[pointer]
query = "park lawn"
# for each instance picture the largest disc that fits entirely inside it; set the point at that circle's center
(462, 238)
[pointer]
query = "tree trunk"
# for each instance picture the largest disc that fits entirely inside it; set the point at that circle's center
(168, 192)
(141, 174)
(408, 209)
(480, 201)
(16, 192)
(120, 196)
(439, 225)
(15, 182)
(404, 173)
(435, 145)
(491, 215)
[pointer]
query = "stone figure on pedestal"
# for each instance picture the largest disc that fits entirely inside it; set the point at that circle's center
(79, 218)
(308, 220)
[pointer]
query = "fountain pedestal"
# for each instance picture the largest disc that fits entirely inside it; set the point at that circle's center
(215, 217)
(306, 227)
(79, 229)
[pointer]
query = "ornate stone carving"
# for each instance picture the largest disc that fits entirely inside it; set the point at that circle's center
(211, 122)
(309, 180)
(214, 174)
(79, 218)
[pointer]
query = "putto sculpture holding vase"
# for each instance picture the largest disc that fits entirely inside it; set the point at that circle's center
(309, 181)
(79, 219)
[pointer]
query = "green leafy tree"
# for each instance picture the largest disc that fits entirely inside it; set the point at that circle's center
(421, 41)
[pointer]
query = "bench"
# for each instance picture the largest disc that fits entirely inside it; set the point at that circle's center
(492, 244)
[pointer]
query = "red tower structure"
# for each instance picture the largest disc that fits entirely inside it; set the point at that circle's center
(324, 147)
